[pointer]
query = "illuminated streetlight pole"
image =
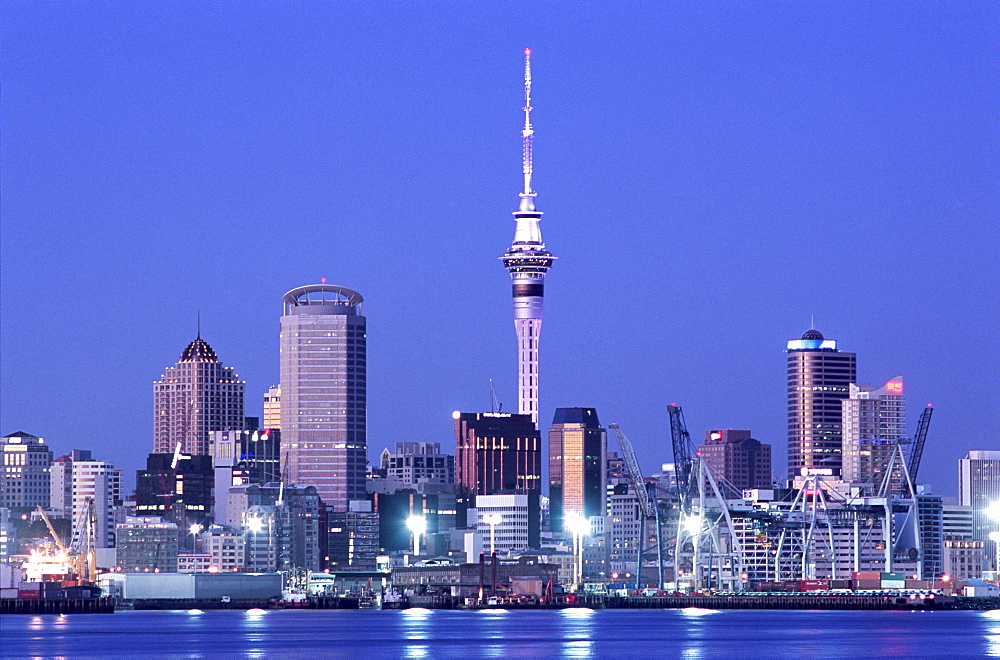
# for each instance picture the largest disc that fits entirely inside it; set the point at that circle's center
(579, 526)
(194, 530)
(417, 525)
(254, 524)
(493, 519)
(993, 511)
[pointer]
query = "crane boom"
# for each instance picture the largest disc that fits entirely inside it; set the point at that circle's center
(52, 531)
(683, 458)
(638, 483)
(918, 442)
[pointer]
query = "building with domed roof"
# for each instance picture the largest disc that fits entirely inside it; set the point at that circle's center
(196, 396)
(819, 378)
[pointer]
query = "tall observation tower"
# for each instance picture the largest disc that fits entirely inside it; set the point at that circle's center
(527, 261)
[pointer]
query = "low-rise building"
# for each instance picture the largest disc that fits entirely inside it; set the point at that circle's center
(147, 544)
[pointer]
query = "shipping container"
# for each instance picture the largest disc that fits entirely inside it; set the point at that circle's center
(22, 593)
(8, 592)
(866, 575)
(892, 576)
(867, 585)
(893, 584)
(841, 584)
(814, 585)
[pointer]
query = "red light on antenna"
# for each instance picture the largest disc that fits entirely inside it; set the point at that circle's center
(930, 405)
(322, 280)
(673, 405)
(527, 51)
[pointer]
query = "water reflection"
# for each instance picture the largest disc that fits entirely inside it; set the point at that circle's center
(578, 648)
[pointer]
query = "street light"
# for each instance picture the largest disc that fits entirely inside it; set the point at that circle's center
(993, 511)
(579, 526)
(194, 530)
(417, 525)
(493, 519)
(254, 524)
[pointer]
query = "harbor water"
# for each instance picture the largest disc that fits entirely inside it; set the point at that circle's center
(573, 633)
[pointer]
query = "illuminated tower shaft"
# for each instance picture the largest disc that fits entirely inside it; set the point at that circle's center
(527, 261)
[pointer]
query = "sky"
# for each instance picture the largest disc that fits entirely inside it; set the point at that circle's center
(713, 176)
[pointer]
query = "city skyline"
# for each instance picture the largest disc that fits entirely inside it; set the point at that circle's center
(710, 188)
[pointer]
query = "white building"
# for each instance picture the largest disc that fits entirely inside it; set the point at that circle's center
(226, 548)
(874, 420)
(978, 488)
(101, 482)
(512, 532)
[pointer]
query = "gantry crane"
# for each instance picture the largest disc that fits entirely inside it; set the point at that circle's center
(648, 509)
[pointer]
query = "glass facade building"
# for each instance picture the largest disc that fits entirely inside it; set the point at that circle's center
(578, 449)
(323, 392)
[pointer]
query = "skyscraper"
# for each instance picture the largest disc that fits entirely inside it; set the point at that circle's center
(323, 390)
(874, 421)
(101, 482)
(978, 488)
(819, 376)
(578, 453)
(196, 396)
(527, 261)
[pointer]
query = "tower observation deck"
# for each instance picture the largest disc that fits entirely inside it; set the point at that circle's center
(527, 261)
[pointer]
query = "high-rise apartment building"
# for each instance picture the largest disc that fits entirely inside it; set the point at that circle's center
(323, 389)
(527, 261)
(243, 457)
(24, 481)
(61, 483)
(819, 377)
(578, 454)
(100, 482)
(496, 453)
(737, 461)
(196, 396)
(874, 421)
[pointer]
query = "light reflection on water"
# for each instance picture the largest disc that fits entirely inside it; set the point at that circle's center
(574, 632)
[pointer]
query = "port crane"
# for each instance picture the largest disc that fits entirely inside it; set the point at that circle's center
(648, 509)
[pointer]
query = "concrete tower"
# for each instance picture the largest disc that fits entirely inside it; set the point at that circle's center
(819, 378)
(527, 261)
(874, 421)
(323, 392)
(196, 396)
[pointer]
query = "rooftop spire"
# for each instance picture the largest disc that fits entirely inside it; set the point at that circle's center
(527, 204)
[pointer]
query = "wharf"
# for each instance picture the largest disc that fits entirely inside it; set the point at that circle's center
(56, 606)
(794, 601)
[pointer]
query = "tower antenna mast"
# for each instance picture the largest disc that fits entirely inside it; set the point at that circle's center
(528, 132)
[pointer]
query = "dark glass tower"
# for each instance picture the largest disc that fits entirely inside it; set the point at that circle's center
(578, 449)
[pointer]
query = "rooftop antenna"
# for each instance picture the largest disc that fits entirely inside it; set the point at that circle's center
(199, 324)
(812, 321)
(527, 132)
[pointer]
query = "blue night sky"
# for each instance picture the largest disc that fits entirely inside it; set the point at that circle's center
(712, 174)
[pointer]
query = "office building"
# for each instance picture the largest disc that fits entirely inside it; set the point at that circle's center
(819, 378)
(147, 544)
(178, 489)
(578, 453)
(737, 461)
(225, 547)
(495, 453)
(527, 261)
(243, 457)
(99, 482)
(196, 396)
(24, 482)
(978, 488)
(272, 408)
(874, 421)
(61, 483)
(353, 537)
(285, 520)
(519, 525)
(413, 463)
(435, 503)
(323, 389)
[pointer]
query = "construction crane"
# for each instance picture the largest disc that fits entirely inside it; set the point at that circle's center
(648, 509)
(81, 555)
(683, 456)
